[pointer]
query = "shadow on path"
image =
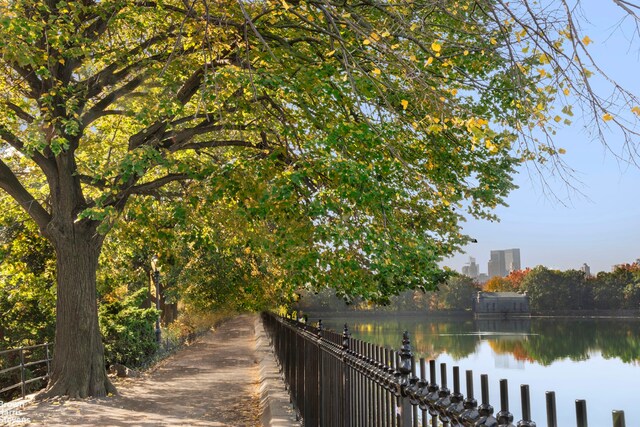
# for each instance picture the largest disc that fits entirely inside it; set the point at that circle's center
(213, 382)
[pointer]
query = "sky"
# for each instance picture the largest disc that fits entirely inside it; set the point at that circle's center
(600, 223)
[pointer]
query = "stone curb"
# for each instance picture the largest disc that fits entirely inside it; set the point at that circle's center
(277, 410)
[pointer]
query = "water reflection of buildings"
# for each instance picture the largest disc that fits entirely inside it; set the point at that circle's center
(518, 327)
(507, 361)
(505, 337)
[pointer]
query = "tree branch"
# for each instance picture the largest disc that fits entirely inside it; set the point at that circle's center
(217, 143)
(182, 136)
(20, 112)
(98, 109)
(9, 183)
(109, 76)
(46, 164)
(149, 187)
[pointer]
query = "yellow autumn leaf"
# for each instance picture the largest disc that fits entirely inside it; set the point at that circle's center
(436, 47)
(375, 36)
(606, 117)
(492, 41)
(329, 54)
(404, 103)
(366, 42)
(557, 119)
(562, 150)
(285, 5)
(413, 27)
(429, 61)
(465, 53)
(566, 91)
(376, 71)
(636, 110)
(586, 40)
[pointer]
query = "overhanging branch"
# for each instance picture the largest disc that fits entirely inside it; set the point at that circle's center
(10, 183)
(150, 187)
(47, 165)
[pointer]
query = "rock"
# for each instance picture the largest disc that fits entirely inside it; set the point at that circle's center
(122, 371)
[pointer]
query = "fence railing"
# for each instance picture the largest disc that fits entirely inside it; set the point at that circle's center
(25, 365)
(336, 380)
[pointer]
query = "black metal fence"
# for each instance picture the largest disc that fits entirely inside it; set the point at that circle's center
(26, 368)
(336, 380)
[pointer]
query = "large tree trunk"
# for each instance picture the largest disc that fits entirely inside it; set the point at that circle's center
(78, 368)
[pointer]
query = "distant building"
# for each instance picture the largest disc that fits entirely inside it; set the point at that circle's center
(501, 304)
(471, 269)
(503, 262)
(586, 269)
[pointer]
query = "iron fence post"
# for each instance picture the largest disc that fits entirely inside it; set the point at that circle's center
(551, 409)
(405, 369)
(346, 383)
(618, 419)
(581, 413)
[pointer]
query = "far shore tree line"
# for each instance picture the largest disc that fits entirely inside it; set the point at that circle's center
(548, 290)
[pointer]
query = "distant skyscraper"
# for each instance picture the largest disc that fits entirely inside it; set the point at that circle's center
(496, 267)
(503, 262)
(512, 260)
(471, 269)
(586, 269)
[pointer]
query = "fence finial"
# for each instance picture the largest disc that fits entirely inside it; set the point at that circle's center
(405, 355)
(345, 337)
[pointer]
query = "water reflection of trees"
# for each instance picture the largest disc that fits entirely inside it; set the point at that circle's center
(428, 338)
(541, 340)
(577, 339)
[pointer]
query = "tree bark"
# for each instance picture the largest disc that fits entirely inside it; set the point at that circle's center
(78, 368)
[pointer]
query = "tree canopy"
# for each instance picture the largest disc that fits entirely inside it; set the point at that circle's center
(324, 143)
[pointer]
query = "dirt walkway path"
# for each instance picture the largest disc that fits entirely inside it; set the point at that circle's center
(213, 382)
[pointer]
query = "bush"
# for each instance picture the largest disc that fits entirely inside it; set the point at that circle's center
(128, 330)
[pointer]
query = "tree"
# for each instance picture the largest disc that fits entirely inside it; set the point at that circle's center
(355, 135)
(27, 289)
(457, 293)
(497, 284)
(545, 289)
(516, 277)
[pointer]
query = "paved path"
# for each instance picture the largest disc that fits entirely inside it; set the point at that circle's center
(221, 380)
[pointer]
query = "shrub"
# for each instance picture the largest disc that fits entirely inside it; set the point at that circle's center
(128, 330)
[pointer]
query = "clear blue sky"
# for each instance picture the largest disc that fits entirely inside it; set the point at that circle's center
(600, 227)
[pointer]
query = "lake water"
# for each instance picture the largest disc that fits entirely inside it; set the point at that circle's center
(593, 359)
